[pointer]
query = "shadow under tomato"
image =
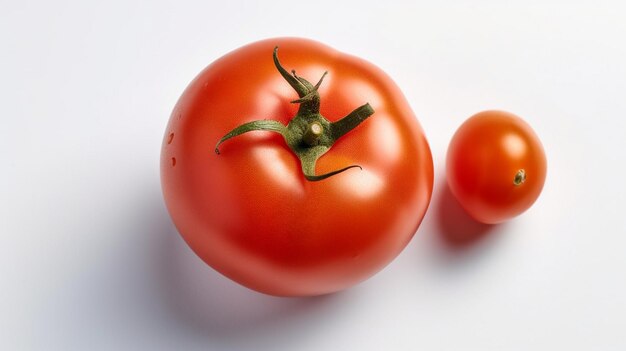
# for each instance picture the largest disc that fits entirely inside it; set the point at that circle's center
(457, 229)
(210, 302)
(203, 301)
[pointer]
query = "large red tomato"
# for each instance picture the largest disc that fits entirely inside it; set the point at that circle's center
(283, 208)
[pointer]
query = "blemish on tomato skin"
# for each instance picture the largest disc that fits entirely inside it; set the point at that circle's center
(170, 138)
(173, 161)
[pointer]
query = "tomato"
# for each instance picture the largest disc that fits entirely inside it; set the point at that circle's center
(288, 207)
(495, 166)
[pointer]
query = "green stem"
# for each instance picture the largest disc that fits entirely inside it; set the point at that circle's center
(309, 135)
(315, 178)
(351, 121)
(292, 80)
(269, 125)
(313, 133)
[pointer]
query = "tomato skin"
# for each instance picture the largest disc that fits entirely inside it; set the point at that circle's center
(484, 156)
(250, 213)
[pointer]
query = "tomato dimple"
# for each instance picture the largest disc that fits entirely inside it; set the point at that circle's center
(390, 141)
(278, 168)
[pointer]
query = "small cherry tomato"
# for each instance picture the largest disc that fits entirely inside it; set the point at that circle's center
(496, 166)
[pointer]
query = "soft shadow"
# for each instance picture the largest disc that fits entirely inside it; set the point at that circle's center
(205, 301)
(459, 245)
(457, 229)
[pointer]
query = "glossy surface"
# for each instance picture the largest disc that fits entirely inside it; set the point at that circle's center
(496, 166)
(250, 213)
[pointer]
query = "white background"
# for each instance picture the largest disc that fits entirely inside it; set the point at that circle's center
(89, 259)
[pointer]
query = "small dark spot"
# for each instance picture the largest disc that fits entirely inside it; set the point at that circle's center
(170, 138)
(173, 161)
(520, 177)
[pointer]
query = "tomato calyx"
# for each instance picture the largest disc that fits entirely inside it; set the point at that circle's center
(309, 135)
(520, 177)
